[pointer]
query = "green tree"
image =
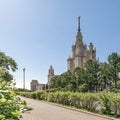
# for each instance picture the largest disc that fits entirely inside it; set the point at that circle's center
(80, 79)
(10, 105)
(9, 64)
(114, 67)
(56, 82)
(93, 72)
(105, 77)
(69, 81)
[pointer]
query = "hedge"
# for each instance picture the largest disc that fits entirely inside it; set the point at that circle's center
(104, 102)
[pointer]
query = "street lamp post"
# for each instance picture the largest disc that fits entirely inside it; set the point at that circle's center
(23, 78)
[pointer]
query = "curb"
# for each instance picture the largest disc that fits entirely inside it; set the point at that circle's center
(80, 110)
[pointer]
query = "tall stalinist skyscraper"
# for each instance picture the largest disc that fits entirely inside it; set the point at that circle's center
(80, 52)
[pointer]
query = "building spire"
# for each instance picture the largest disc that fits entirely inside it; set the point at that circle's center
(79, 24)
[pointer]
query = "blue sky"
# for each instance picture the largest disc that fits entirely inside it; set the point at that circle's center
(40, 33)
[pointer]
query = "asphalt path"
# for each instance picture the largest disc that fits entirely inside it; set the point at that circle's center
(45, 111)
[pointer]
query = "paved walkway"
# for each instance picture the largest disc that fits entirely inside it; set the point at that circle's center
(45, 111)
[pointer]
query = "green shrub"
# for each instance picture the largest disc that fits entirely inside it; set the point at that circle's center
(40, 95)
(105, 102)
(11, 106)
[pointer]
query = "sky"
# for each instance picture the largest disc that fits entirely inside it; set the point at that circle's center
(40, 33)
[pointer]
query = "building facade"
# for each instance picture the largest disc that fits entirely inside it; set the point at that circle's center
(80, 52)
(34, 85)
(42, 86)
(50, 75)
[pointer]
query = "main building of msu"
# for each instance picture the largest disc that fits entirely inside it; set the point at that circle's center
(80, 55)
